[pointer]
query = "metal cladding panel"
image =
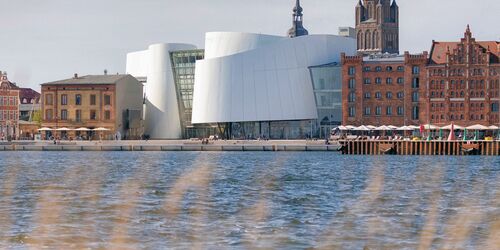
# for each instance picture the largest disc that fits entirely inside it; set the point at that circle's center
(219, 44)
(162, 119)
(269, 83)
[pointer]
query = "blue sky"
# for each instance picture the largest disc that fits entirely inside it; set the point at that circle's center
(53, 39)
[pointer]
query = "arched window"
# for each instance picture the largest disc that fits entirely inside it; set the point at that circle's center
(360, 40)
(368, 40)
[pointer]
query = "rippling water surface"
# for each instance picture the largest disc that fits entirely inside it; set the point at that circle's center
(247, 200)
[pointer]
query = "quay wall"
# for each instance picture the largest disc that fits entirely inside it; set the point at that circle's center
(171, 147)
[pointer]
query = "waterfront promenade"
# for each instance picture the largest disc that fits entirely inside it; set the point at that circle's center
(171, 145)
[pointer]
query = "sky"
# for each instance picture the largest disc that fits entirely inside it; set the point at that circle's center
(48, 40)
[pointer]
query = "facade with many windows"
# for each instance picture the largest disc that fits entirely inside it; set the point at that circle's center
(457, 82)
(113, 102)
(383, 89)
(9, 108)
(464, 82)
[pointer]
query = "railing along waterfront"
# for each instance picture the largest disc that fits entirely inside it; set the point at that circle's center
(380, 147)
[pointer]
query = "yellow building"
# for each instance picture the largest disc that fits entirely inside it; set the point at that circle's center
(113, 102)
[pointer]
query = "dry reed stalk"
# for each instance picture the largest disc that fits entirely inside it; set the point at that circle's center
(461, 225)
(198, 179)
(7, 191)
(365, 202)
(429, 230)
(120, 238)
(493, 240)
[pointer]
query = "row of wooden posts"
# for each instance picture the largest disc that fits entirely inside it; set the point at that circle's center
(491, 148)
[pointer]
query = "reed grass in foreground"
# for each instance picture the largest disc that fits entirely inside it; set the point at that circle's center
(264, 201)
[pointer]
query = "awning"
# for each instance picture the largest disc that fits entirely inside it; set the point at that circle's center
(478, 127)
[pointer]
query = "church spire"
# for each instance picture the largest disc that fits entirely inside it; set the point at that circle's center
(297, 28)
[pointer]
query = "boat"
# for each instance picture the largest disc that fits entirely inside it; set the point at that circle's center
(388, 148)
(470, 149)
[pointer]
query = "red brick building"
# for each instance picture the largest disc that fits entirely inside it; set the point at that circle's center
(383, 89)
(463, 85)
(9, 108)
(458, 82)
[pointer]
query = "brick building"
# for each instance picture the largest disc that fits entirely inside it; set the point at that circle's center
(383, 89)
(377, 26)
(9, 108)
(457, 82)
(463, 85)
(113, 102)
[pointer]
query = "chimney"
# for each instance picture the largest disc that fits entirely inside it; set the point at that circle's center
(76, 75)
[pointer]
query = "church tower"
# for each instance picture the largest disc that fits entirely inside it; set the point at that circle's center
(297, 28)
(377, 26)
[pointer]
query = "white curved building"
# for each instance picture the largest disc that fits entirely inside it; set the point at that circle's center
(254, 77)
(153, 66)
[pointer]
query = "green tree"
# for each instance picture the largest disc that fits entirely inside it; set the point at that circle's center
(37, 117)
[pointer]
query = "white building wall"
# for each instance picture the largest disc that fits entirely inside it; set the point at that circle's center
(162, 110)
(265, 82)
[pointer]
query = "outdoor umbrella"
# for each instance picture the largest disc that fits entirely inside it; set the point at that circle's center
(82, 129)
(63, 129)
(465, 134)
(455, 127)
(476, 135)
(478, 127)
(101, 129)
(451, 137)
(45, 129)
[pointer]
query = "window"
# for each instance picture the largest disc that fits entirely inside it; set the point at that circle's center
(414, 114)
(378, 68)
(367, 69)
(352, 97)
(388, 69)
(93, 115)
(414, 97)
(378, 80)
(494, 107)
(378, 95)
(367, 81)
(352, 112)
(401, 80)
(352, 71)
(401, 68)
(388, 95)
(49, 100)
(378, 110)
(49, 114)
(352, 83)
(107, 100)
(388, 80)
(368, 95)
(78, 115)
(401, 95)
(415, 70)
(415, 83)
(401, 111)
(64, 114)
(78, 99)
(389, 110)
(92, 100)
(107, 115)
(64, 99)
(368, 111)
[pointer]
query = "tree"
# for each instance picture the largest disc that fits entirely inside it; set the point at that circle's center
(37, 117)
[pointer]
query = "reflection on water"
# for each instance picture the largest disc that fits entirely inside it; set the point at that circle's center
(247, 200)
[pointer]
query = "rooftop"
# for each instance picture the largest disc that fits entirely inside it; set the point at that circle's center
(384, 58)
(89, 79)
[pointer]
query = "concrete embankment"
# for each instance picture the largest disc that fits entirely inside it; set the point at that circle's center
(169, 146)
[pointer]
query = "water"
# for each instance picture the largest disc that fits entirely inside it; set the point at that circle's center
(241, 200)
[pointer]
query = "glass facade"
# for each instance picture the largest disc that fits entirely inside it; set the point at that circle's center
(183, 67)
(327, 86)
